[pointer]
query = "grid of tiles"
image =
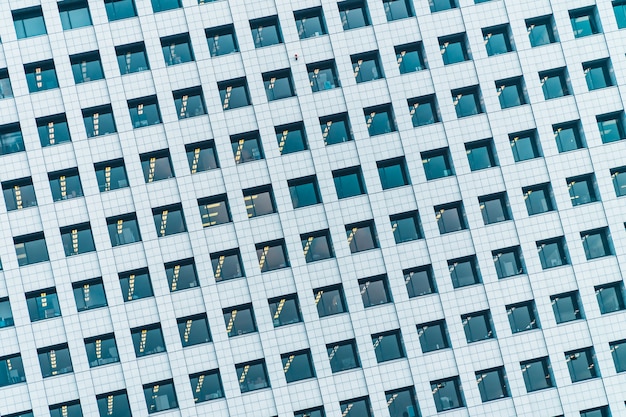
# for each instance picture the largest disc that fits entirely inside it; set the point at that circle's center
(309, 208)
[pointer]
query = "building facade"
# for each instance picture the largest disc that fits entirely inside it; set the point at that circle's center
(312, 208)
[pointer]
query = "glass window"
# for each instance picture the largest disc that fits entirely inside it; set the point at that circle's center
(603, 411)
(298, 365)
(160, 395)
(397, 9)
(311, 412)
(74, 14)
(176, 49)
(566, 307)
(278, 84)
(433, 336)
(437, 163)
(11, 139)
(497, 40)
(113, 403)
(447, 393)
(11, 370)
(619, 180)
(374, 291)
(317, 246)
(380, 119)
(323, 75)
(343, 355)
(43, 304)
(410, 57)
(272, 255)
(41, 76)
(234, 93)
(598, 74)
(450, 217)
(247, 147)
(221, 40)
(353, 14)
(70, 409)
(336, 129)
(356, 407)
(522, 316)
(19, 194)
(189, 102)
(227, 265)
(135, 284)
(330, 300)
(77, 239)
(610, 297)
(552, 252)
(193, 330)
(464, 271)
(162, 5)
(5, 84)
(53, 130)
(619, 8)
(511, 92)
(65, 184)
(132, 58)
(537, 374)
(6, 315)
(144, 111)
(439, 5)
(538, 198)
(361, 236)
(30, 248)
(304, 191)
(492, 384)
(266, 31)
(467, 101)
(494, 208)
(285, 310)
(349, 182)
(252, 376)
(477, 326)
(453, 48)
(423, 110)
(541, 30)
(406, 227)
(481, 154)
(156, 165)
(582, 189)
(508, 261)
(99, 121)
(291, 138)
(568, 136)
(101, 350)
(582, 364)
(393, 173)
(554, 83)
(89, 294)
(111, 175)
(618, 351)
(181, 274)
(585, 22)
(402, 402)
(525, 145)
(202, 156)
(419, 281)
(366, 67)
(388, 346)
(21, 414)
(214, 210)
(148, 340)
(259, 201)
(597, 243)
(86, 67)
(206, 386)
(169, 220)
(120, 9)
(310, 22)
(29, 22)
(611, 127)
(55, 360)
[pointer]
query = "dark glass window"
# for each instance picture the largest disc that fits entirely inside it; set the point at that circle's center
(419, 281)
(266, 31)
(538, 198)
(120, 9)
(214, 210)
(611, 127)
(298, 365)
(597, 243)
(11, 139)
(55, 360)
(566, 307)
(598, 74)
(464, 271)
(291, 138)
(541, 30)
(193, 330)
(285, 310)
(447, 393)
(402, 402)
(202, 156)
(161, 395)
(508, 261)
(477, 326)
(310, 22)
(311, 412)
(374, 291)
(259, 201)
(537, 374)
(74, 14)
(454, 48)
(619, 8)
(610, 297)
(144, 111)
(603, 411)
(69, 409)
(393, 173)
(162, 5)
(522, 316)
(113, 404)
(481, 154)
(437, 163)
(554, 83)
(323, 75)
(132, 58)
(433, 336)
(43, 304)
(494, 208)
(492, 384)
(111, 175)
(19, 194)
(247, 147)
(189, 102)
(511, 92)
(272, 255)
(206, 386)
(227, 265)
(101, 350)
(361, 236)
(356, 407)
(181, 274)
(41, 76)
(156, 165)
(353, 14)
(406, 227)
(123, 229)
(467, 101)
(99, 121)
(65, 184)
(169, 220)
(6, 315)
(380, 119)
(388, 346)
(336, 129)
(618, 351)
(252, 376)
(423, 110)
(619, 180)
(330, 300)
(552, 252)
(5, 84)
(343, 355)
(86, 67)
(397, 9)
(30, 248)
(177, 49)
(349, 182)
(234, 93)
(582, 364)
(135, 284)
(585, 22)
(77, 239)
(29, 22)
(450, 217)
(89, 294)
(582, 189)
(53, 130)
(366, 66)
(498, 40)
(439, 5)
(410, 57)
(222, 40)
(11, 370)
(317, 246)
(525, 145)
(304, 191)
(148, 340)
(278, 84)
(568, 136)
